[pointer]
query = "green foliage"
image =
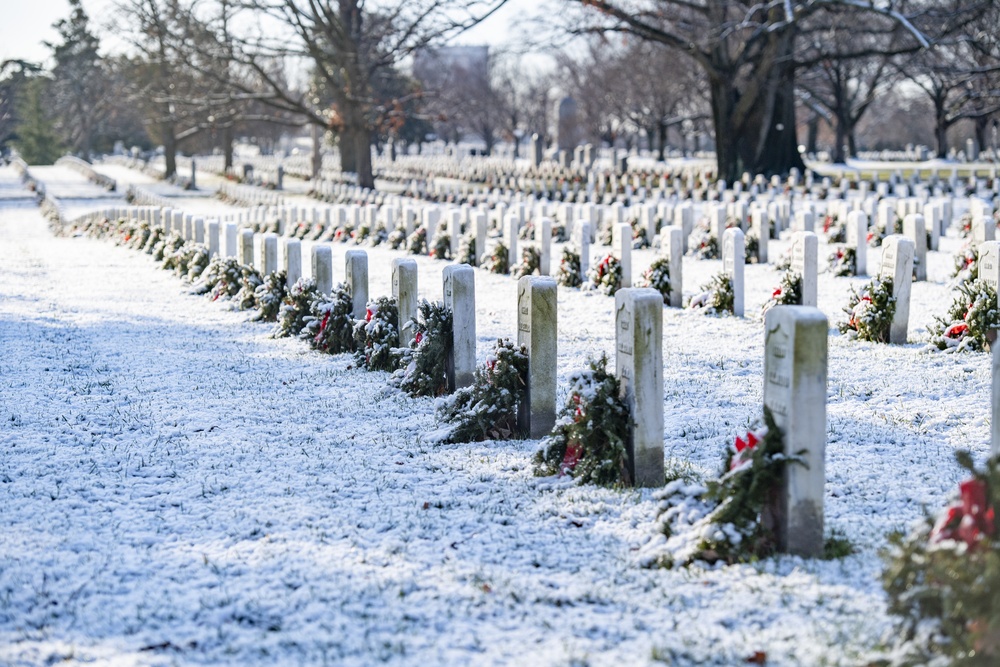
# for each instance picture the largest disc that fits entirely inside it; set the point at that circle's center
(377, 335)
(329, 324)
(731, 518)
(441, 247)
(788, 293)
(588, 439)
(221, 279)
(268, 297)
(569, 269)
(870, 311)
(717, 296)
(606, 276)
(966, 264)
(425, 371)
(835, 230)
(943, 578)
(37, 141)
(171, 253)
(487, 409)
(467, 250)
(751, 249)
(417, 244)
(972, 320)
(844, 261)
(707, 246)
(196, 260)
(531, 262)
(657, 276)
(397, 238)
(499, 259)
(250, 280)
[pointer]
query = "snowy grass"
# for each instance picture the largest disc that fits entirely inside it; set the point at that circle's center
(179, 488)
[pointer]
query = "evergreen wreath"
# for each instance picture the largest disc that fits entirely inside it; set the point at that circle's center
(527, 231)
(531, 262)
(397, 238)
(559, 234)
(880, 230)
(657, 276)
(268, 297)
(441, 247)
(156, 236)
(376, 336)
(730, 518)
(717, 296)
(751, 250)
(417, 244)
(487, 409)
(843, 261)
(605, 233)
(378, 236)
(167, 254)
(870, 311)
(639, 238)
(499, 260)
(196, 258)
(707, 246)
(965, 225)
(971, 322)
(607, 275)
(568, 274)
(943, 578)
(966, 264)
(250, 280)
(361, 234)
(329, 327)
(296, 307)
(424, 369)
(836, 232)
(136, 240)
(788, 293)
(467, 250)
(220, 279)
(587, 441)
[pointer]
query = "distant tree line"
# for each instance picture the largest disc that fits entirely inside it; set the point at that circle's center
(758, 78)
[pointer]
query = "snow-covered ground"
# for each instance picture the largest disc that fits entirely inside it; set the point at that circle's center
(177, 487)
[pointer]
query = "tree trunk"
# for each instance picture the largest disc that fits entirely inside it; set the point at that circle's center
(363, 157)
(169, 151)
(981, 123)
(727, 156)
(661, 133)
(812, 134)
(779, 152)
(227, 145)
(941, 128)
(317, 155)
(840, 140)
(348, 159)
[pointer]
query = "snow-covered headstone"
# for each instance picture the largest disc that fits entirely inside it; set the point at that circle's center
(897, 265)
(805, 221)
(322, 268)
(795, 375)
(983, 229)
(460, 299)
(268, 254)
(404, 291)
(583, 239)
(805, 248)
(482, 228)
(291, 251)
(762, 229)
(537, 331)
(232, 230)
(639, 367)
(543, 237)
(623, 248)
(244, 247)
(513, 226)
(915, 230)
(213, 239)
(733, 260)
(857, 238)
(454, 229)
(672, 248)
(357, 281)
(989, 263)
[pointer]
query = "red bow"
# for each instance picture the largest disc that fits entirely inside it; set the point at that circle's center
(744, 449)
(776, 293)
(368, 314)
(572, 456)
(969, 518)
(419, 337)
(956, 330)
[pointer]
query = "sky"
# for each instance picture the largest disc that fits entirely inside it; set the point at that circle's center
(26, 24)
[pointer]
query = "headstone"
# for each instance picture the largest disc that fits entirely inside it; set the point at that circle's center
(543, 237)
(404, 291)
(983, 229)
(231, 235)
(537, 148)
(536, 331)
(913, 229)
(805, 221)
(322, 268)
(455, 229)
(672, 247)
(213, 239)
(431, 217)
(989, 263)
(733, 260)
(583, 245)
(513, 225)
(357, 281)
(460, 298)
(244, 249)
(639, 367)
(684, 218)
(805, 249)
(857, 238)
(897, 264)
(482, 227)
(199, 230)
(292, 260)
(795, 378)
(762, 229)
(268, 254)
(623, 248)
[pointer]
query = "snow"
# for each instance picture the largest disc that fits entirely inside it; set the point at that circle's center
(180, 488)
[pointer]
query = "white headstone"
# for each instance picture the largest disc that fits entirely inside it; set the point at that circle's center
(357, 281)
(805, 248)
(231, 235)
(513, 226)
(762, 229)
(989, 263)
(857, 238)
(733, 260)
(460, 298)
(623, 248)
(213, 239)
(244, 247)
(291, 258)
(543, 237)
(897, 265)
(322, 268)
(537, 331)
(914, 229)
(404, 291)
(268, 254)
(455, 229)
(199, 230)
(639, 367)
(672, 247)
(983, 229)
(795, 378)
(583, 238)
